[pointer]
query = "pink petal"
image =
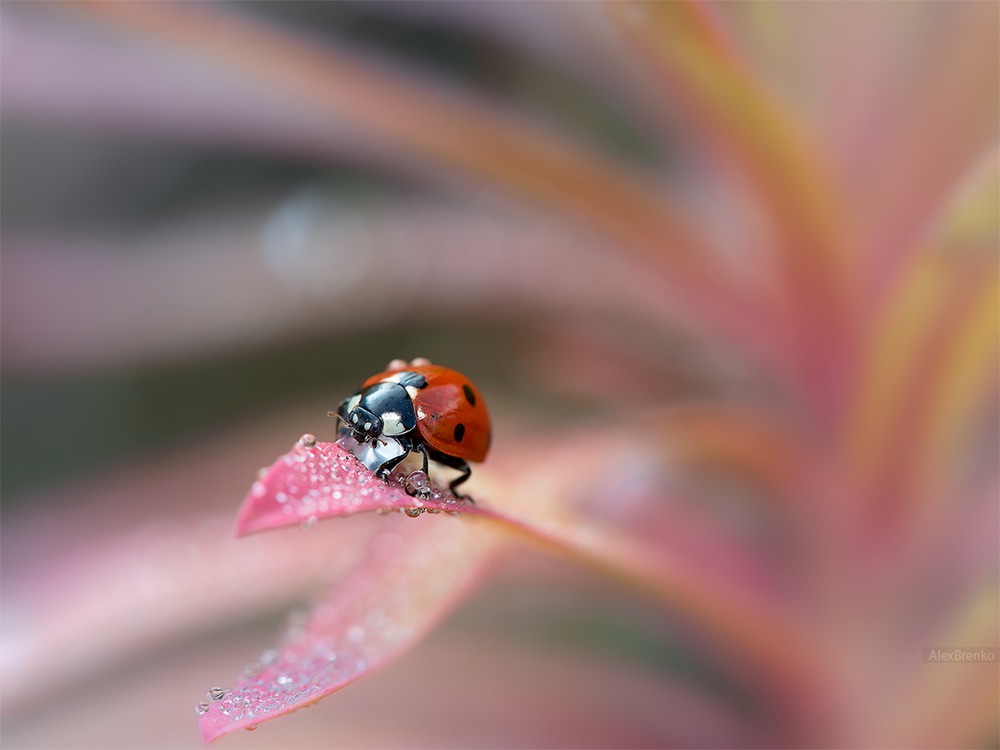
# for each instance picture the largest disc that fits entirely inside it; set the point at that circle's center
(324, 480)
(412, 575)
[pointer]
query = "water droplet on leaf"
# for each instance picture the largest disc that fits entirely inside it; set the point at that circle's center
(355, 634)
(417, 483)
(269, 656)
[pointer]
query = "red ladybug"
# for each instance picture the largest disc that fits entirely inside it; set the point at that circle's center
(426, 408)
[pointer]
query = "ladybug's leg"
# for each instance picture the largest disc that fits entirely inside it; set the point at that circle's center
(457, 464)
(453, 485)
(386, 467)
(418, 487)
(422, 449)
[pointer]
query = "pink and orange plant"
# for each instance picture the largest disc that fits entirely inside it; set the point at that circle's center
(783, 352)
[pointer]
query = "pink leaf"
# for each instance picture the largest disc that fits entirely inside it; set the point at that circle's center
(410, 578)
(322, 480)
(412, 575)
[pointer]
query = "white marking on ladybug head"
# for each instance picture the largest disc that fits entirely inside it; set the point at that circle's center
(354, 418)
(411, 391)
(421, 414)
(368, 425)
(392, 423)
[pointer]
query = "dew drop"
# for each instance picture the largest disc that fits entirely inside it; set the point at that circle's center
(308, 440)
(269, 656)
(281, 497)
(355, 634)
(258, 489)
(217, 693)
(284, 680)
(413, 512)
(308, 523)
(262, 472)
(251, 727)
(201, 708)
(417, 483)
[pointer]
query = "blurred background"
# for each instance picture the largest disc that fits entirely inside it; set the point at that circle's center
(218, 219)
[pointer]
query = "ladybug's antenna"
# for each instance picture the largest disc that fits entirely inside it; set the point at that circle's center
(337, 415)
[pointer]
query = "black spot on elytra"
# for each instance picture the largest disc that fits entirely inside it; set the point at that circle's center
(470, 395)
(459, 432)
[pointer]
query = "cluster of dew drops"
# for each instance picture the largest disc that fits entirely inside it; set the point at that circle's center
(290, 678)
(263, 692)
(415, 483)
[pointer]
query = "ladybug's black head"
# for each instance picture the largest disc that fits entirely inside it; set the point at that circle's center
(381, 409)
(365, 425)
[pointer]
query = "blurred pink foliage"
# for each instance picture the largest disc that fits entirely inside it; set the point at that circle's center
(785, 347)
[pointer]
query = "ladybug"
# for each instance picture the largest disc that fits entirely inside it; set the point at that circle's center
(421, 407)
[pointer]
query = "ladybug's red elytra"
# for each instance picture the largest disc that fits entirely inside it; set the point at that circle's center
(420, 407)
